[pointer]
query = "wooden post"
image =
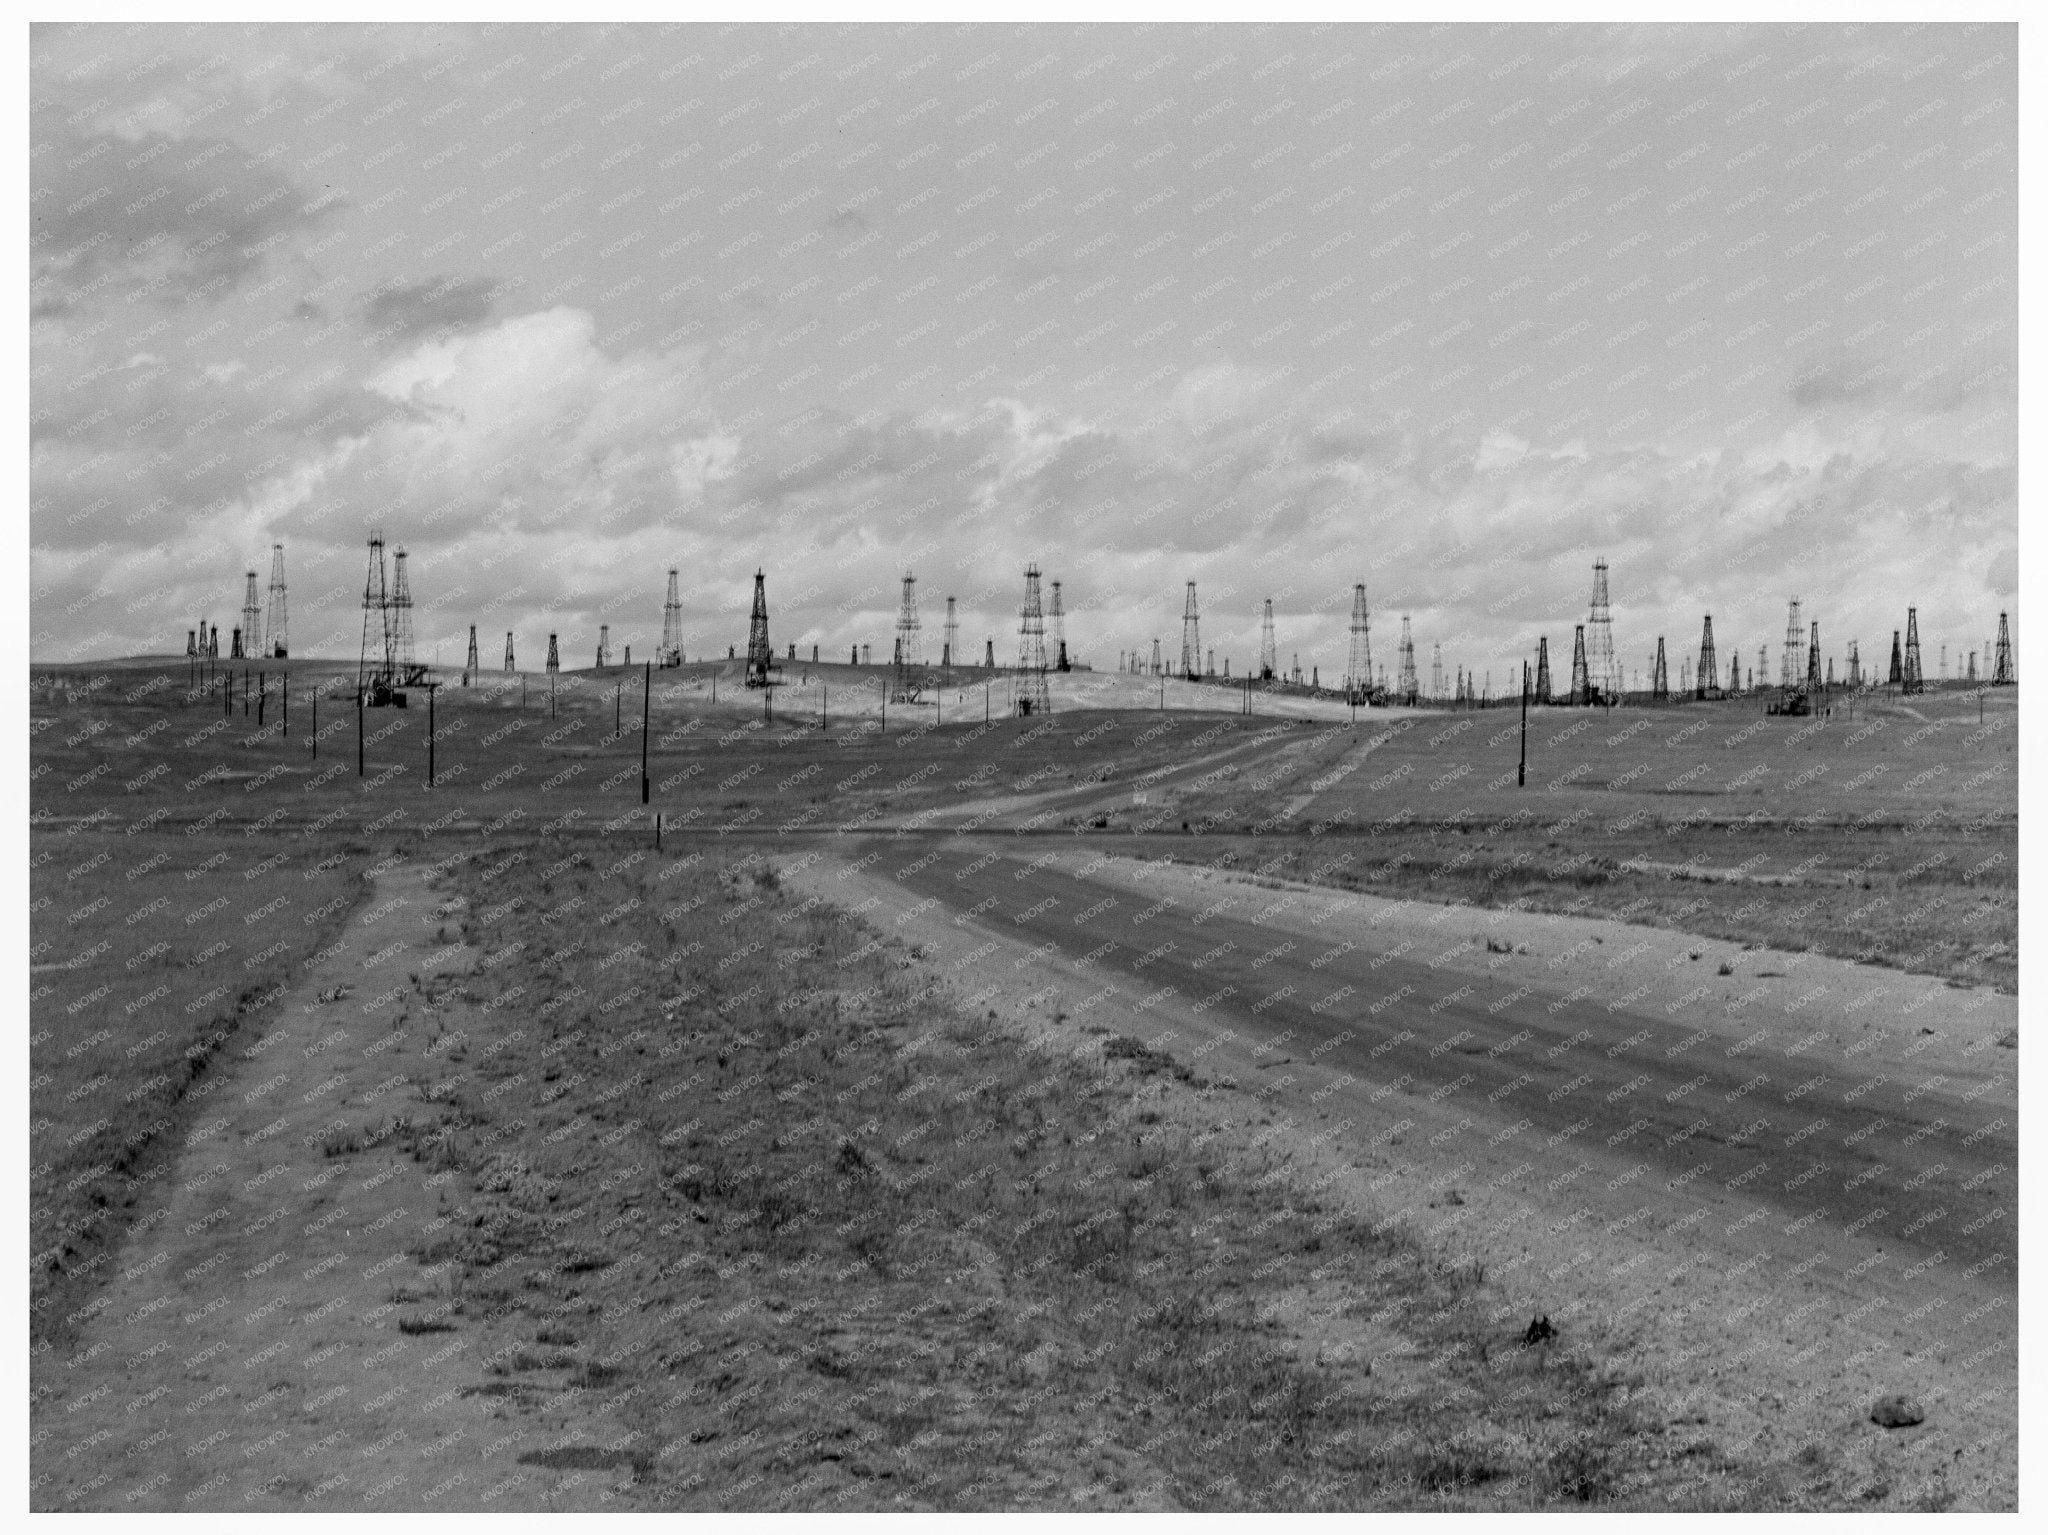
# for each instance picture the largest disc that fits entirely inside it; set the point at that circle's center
(430, 738)
(646, 713)
(359, 732)
(1522, 767)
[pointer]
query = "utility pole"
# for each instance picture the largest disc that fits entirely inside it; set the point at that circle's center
(430, 736)
(646, 708)
(359, 731)
(1522, 767)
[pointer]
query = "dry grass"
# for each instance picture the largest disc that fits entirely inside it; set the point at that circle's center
(821, 1238)
(1859, 895)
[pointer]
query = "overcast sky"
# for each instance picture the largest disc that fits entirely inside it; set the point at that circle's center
(1450, 311)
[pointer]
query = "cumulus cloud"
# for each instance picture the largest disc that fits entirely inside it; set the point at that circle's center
(175, 221)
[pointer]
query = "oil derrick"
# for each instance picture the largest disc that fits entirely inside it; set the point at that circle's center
(1582, 683)
(1031, 693)
(1735, 674)
(760, 655)
(1660, 686)
(1407, 687)
(1913, 680)
(988, 658)
(252, 615)
(1855, 667)
(376, 665)
(1157, 663)
(235, 644)
(1436, 671)
(1543, 668)
(554, 655)
(1190, 637)
(1212, 663)
(192, 642)
(508, 651)
(906, 686)
(1788, 662)
(952, 640)
(604, 645)
(1269, 659)
(275, 623)
(1707, 675)
(1898, 676)
(2002, 672)
(1973, 665)
(1059, 631)
(470, 667)
(1813, 661)
(1685, 676)
(1601, 672)
(1358, 680)
(671, 652)
(409, 672)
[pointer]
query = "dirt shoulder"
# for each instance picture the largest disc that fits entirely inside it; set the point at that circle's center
(1769, 1344)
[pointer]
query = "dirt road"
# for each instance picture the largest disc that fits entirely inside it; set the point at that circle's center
(1780, 1194)
(294, 1330)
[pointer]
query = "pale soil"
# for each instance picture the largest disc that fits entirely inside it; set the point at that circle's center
(248, 1355)
(1740, 1333)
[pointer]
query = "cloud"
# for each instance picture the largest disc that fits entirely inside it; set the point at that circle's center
(404, 312)
(174, 221)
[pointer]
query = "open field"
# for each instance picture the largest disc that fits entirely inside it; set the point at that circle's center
(956, 1210)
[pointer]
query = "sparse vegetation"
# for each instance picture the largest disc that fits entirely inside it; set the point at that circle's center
(944, 1231)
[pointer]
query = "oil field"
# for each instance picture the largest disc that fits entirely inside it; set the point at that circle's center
(1172, 769)
(1019, 1108)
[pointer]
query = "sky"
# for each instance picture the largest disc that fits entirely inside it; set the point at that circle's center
(1452, 311)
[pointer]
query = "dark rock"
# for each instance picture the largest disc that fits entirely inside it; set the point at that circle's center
(1897, 1412)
